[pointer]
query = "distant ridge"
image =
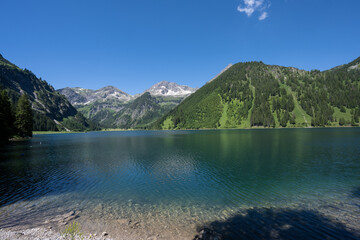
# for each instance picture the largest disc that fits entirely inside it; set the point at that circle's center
(113, 108)
(83, 96)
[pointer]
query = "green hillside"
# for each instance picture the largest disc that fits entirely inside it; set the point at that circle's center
(254, 94)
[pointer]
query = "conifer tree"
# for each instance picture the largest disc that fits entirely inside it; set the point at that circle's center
(6, 118)
(24, 117)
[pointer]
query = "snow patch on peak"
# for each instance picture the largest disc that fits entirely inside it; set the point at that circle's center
(82, 96)
(165, 88)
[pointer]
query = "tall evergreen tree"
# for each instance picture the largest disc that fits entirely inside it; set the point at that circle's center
(24, 117)
(6, 118)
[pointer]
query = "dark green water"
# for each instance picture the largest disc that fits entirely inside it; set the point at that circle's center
(182, 177)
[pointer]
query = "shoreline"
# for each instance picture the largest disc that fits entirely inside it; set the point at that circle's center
(53, 132)
(200, 129)
(43, 233)
(277, 221)
(96, 229)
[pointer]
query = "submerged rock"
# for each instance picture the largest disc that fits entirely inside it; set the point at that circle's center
(69, 216)
(123, 221)
(208, 234)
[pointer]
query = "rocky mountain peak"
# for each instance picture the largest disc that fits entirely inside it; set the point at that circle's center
(110, 92)
(83, 96)
(165, 88)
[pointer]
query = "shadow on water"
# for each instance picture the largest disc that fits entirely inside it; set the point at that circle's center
(276, 224)
(27, 175)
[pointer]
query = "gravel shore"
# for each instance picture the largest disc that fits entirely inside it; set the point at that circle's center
(41, 234)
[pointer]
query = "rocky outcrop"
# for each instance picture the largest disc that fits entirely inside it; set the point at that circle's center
(82, 96)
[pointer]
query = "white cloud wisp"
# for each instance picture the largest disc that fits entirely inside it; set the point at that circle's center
(250, 6)
(263, 16)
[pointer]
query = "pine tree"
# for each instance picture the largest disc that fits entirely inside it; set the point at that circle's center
(6, 118)
(24, 117)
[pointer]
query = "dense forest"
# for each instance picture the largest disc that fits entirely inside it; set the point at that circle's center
(254, 94)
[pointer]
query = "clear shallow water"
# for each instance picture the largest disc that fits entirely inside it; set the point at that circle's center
(182, 178)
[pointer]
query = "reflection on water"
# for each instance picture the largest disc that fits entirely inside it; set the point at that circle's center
(181, 178)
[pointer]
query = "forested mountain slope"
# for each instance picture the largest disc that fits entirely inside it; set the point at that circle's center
(254, 94)
(52, 111)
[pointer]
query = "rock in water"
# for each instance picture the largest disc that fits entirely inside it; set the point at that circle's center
(208, 234)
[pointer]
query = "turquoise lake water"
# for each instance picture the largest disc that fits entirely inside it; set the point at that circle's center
(189, 179)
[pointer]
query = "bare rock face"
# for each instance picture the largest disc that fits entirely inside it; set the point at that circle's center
(73, 96)
(356, 66)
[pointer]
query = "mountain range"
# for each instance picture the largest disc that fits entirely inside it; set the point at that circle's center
(243, 95)
(113, 108)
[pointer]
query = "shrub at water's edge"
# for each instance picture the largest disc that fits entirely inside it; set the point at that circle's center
(73, 232)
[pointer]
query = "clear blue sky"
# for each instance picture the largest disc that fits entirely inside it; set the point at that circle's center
(132, 44)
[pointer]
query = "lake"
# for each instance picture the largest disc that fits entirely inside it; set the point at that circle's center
(261, 183)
